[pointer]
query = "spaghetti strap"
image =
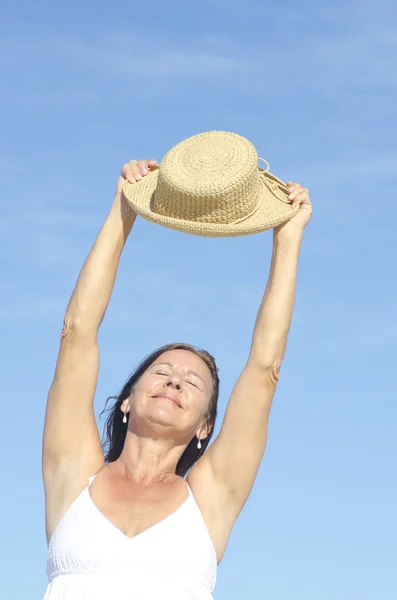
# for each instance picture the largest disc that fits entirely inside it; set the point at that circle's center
(91, 479)
(189, 490)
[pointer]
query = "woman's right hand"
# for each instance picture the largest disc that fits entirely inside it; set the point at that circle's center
(133, 171)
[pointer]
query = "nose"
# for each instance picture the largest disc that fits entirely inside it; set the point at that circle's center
(174, 383)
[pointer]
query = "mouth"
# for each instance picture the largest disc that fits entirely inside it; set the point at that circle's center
(168, 397)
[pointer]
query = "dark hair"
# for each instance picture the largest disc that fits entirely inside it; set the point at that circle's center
(115, 430)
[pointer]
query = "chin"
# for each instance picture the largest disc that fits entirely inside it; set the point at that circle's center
(162, 416)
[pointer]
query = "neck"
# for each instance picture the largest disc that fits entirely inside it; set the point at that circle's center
(147, 460)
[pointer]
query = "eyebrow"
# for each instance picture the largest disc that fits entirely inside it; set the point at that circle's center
(188, 373)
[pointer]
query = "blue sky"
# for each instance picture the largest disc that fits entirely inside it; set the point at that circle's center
(87, 86)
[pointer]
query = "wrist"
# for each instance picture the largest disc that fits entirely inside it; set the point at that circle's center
(288, 233)
(125, 210)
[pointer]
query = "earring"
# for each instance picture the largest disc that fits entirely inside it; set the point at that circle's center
(125, 418)
(199, 444)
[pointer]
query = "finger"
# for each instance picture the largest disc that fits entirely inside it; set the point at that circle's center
(300, 190)
(300, 199)
(291, 186)
(295, 191)
(143, 167)
(126, 173)
(136, 172)
(146, 165)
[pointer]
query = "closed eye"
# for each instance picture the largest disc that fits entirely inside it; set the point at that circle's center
(193, 384)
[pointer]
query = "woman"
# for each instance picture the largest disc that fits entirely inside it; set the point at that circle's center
(128, 525)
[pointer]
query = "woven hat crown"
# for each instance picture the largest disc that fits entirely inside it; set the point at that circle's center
(211, 185)
(211, 177)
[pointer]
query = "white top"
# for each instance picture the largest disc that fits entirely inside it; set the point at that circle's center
(89, 558)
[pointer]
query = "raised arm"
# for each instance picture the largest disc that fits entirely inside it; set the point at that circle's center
(71, 441)
(233, 459)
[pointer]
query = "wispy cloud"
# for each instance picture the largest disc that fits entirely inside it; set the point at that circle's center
(355, 52)
(124, 55)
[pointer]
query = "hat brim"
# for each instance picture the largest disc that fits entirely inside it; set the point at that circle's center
(270, 213)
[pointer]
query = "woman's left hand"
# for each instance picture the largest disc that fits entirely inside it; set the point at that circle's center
(298, 196)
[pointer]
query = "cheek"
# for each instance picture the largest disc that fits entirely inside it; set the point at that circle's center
(199, 402)
(146, 384)
(138, 393)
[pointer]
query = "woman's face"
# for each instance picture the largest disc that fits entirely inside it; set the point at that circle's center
(172, 396)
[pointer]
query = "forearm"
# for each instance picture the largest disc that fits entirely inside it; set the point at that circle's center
(275, 313)
(90, 298)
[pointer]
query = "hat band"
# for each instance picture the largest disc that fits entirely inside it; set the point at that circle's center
(239, 220)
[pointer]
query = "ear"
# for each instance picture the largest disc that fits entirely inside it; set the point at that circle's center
(125, 406)
(203, 431)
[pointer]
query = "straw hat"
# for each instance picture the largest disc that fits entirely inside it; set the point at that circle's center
(211, 185)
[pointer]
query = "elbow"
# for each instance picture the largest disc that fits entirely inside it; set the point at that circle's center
(270, 368)
(274, 372)
(70, 326)
(75, 328)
